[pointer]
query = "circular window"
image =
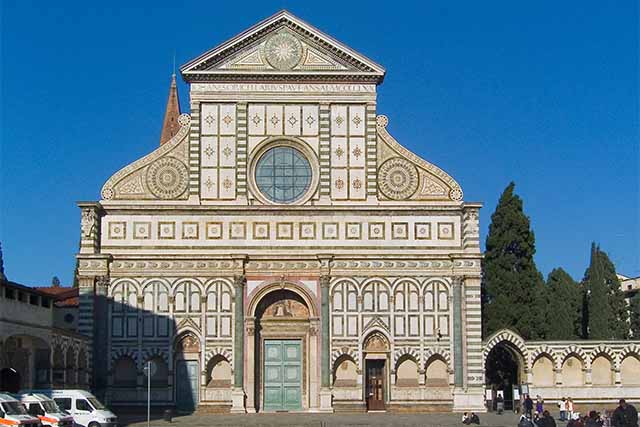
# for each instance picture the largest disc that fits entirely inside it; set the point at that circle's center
(283, 174)
(69, 318)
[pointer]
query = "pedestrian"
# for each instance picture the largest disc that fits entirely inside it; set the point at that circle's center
(569, 407)
(625, 415)
(562, 405)
(547, 420)
(465, 418)
(539, 405)
(499, 403)
(593, 420)
(528, 405)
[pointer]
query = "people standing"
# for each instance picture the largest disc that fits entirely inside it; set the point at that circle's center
(562, 405)
(539, 404)
(625, 415)
(528, 405)
(570, 408)
(593, 420)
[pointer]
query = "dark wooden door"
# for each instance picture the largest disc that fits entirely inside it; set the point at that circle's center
(375, 385)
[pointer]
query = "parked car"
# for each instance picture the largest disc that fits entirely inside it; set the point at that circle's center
(13, 413)
(46, 409)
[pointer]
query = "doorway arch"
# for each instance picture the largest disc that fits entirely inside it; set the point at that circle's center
(505, 364)
(10, 380)
(282, 349)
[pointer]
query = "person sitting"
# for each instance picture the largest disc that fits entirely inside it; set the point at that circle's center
(547, 420)
(474, 418)
(465, 418)
(525, 421)
(593, 420)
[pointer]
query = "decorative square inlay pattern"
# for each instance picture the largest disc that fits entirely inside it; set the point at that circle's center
(307, 230)
(400, 230)
(117, 230)
(284, 230)
(237, 230)
(422, 230)
(141, 230)
(190, 230)
(261, 230)
(354, 230)
(376, 230)
(446, 231)
(330, 230)
(166, 230)
(214, 230)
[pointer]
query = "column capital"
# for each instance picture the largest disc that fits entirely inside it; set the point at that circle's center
(325, 263)
(325, 281)
(239, 280)
(239, 263)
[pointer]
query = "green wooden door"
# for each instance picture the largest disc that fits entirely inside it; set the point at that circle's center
(282, 375)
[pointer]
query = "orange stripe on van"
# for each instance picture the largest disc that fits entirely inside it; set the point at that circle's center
(47, 419)
(8, 422)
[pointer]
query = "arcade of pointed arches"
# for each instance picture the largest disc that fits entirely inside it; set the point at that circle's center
(569, 364)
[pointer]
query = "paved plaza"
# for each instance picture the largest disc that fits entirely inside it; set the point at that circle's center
(325, 420)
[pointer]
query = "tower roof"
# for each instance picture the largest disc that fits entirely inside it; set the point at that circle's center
(170, 126)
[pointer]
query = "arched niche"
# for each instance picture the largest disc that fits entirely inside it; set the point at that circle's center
(436, 373)
(542, 372)
(572, 375)
(630, 370)
(345, 372)
(125, 372)
(219, 373)
(407, 372)
(601, 371)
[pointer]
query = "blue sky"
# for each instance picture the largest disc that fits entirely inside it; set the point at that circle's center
(542, 93)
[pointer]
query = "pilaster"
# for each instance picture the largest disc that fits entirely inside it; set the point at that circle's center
(238, 394)
(325, 356)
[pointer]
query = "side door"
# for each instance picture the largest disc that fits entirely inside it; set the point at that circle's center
(82, 412)
(186, 385)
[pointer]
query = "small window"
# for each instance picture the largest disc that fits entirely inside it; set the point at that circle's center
(35, 409)
(9, 293)
(33, 299)
(69, 318)
(83, 405)
(63, 403)
(22, 297)
(46, 302)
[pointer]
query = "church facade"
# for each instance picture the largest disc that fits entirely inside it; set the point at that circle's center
(280, 250)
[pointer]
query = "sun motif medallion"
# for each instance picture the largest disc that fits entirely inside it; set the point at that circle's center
(397, 179)
(283, 51)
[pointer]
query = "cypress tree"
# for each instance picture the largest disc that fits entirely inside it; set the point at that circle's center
(564, 304)
(634, 309)
(513, 289)
(598, 314)
(606, 314)
(619, 319)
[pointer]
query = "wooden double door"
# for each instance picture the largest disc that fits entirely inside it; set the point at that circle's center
(375, 380)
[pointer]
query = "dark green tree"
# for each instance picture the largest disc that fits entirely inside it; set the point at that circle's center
(605, 315)
(564, 304)
(513, 289)
(635, 316)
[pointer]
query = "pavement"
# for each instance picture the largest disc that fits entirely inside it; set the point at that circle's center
(508, 419)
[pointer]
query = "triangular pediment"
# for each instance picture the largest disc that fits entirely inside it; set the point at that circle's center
(282, 46)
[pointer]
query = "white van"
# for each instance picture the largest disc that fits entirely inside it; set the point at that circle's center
(12, 413)
(46, 409)
(86, 410)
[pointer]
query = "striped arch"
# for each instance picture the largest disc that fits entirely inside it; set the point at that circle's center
(443, 354)
(444, 280)
(376, 279)
(402, 280)
(344, 351)
(406, 351)
(509, 336)
(124, 352)
(153, 352)
(543, 350)
(219, 351)
(606, 351)
(576, 351)
(627, 350)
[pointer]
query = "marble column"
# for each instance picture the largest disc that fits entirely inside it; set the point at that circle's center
(325, 345)
(458, 353)
(238, 404)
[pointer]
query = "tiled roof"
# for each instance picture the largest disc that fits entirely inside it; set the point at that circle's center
(63, 296)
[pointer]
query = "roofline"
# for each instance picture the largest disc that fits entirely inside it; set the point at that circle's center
(378, 69)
